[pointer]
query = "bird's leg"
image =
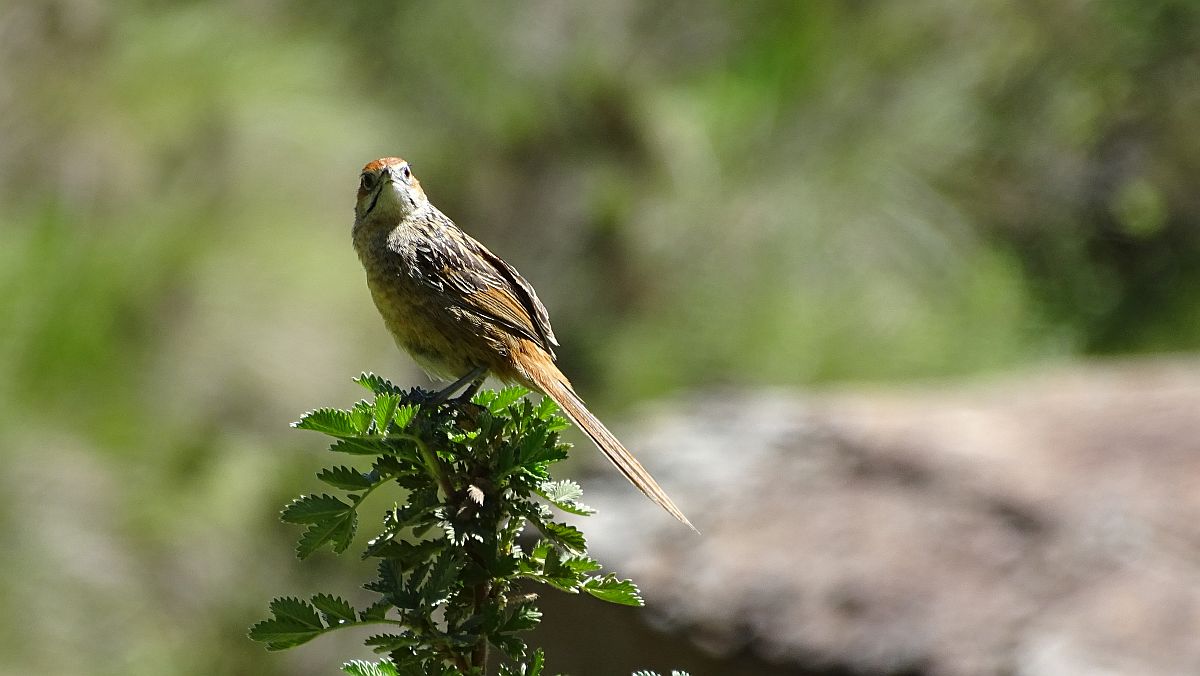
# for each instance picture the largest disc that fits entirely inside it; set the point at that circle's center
(475, 376)
(472, 388)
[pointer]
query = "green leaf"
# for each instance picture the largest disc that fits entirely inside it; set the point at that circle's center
(394, 520)
(332, 421)
(516, 621)
(547, 411)
(361, 416)
(441, 577)
(405, 414)
(569, 537)
(546, 408)
(566, 489)
(512, 646)
(538, 448)
(390, 580)
(385, 408)
(377, 384)
(335, 610)
(609, 588)
(541, 550)
(376, 611)
(565, 495)
(393, 465)
(293, 622)
(364, 668)
(345, 478)
(503, 399)
(314, 509)
(523, 618)
(338, 531)
(532, 446)
(409, 554)
(581, 564)
(535, 665)
(358, 447)
(389, 642)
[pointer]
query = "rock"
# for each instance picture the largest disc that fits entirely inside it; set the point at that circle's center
(1045, 524)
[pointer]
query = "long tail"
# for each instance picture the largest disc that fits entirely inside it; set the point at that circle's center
(555, 385)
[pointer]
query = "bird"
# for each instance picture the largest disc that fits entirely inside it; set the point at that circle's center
(461, 311)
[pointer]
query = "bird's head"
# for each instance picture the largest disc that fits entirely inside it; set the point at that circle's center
(388, 190)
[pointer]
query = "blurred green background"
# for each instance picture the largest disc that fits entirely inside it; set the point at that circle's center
(704, 193)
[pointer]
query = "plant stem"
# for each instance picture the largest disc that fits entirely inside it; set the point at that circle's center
(431, 462)
(479, 654)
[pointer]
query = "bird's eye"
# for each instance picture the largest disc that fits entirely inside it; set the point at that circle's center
(406, 172)
(368, 181)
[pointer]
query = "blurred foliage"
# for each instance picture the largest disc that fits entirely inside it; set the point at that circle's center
(703, 192)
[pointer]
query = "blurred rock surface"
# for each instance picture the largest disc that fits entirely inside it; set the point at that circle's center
(1040, 524)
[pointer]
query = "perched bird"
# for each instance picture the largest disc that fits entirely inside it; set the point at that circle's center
(460, 310)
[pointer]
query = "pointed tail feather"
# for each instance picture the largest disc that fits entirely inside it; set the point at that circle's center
(551, 382)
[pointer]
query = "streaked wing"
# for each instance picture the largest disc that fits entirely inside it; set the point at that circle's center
(532, 304)
(481, 282)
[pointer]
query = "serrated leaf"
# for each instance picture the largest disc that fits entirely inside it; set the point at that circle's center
(361, 416)
(293, 622)
(441, 578)
(394, 520)
(581, 564)
(565, 495)
(505, 398)
(376, 611)
(548, 412)
(523, 618)
(561, 490)
(364, 668)
(405, 414)
(331, 421)
(568, 537)
(358, 447)
(377, 384)
(390, 642)
(385, 408)
(520, 619)
(536, 664)
(576, 508)
(532, 446)
(345, 478)
(313, 509)
(392, 465)
(338, 531)
(335, 610)
(408, 554)
(539, 448)
(609, 588)
(546, 408)
(281, 635)
(541, 550)
(512, 646)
